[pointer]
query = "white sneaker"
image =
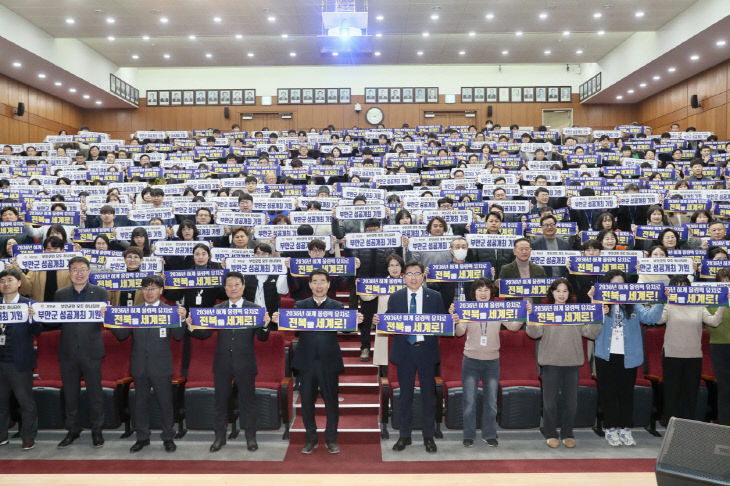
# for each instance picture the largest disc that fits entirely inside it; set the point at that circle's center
(626, 438)
(612, 437)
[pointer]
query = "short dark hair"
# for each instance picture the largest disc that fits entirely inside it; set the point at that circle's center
(153, 280)
(134, 250)
(79, 259)
(317, 244)
(233, 274)
(264, 247)
(548, 216)
(319, 271)
(10, 272)
(483, 282)
(521, 239)
(415, 263)
(107, 209)
(540, 190)
(54, 242)
(372, 223)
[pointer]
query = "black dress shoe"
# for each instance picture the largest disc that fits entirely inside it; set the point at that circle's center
(139, 445)
(252, 445)
(332, 447)
(169, 446)
(68, 440)
(402, 443)
(430, 445)
(97, 439)
(468, 442)
(309, 447)
(217, 445)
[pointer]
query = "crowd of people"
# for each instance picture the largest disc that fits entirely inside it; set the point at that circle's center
(111, 205)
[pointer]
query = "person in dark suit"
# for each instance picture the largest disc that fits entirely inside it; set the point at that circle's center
(80, 351)
(17, 360)
(319, 360)
(151, 367)
(551, 242)
(235, 358)
(413, 354)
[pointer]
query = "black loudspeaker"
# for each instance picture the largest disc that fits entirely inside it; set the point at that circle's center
(20, 110)
(226, 113)
(489, 111)
(694, 453)
(694, 101)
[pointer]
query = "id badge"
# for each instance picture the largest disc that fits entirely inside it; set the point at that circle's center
(483, 341)
(2, 339)
(163, 332)
(199, 298)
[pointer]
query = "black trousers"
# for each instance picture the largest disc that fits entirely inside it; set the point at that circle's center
(407, 379)
(72, 371)
(616, 391)
(246, 383)
(720, 354)
(681, 384)
(314, 379)
(559, 400)
(21, 384)
(368, 308)
(163, 393)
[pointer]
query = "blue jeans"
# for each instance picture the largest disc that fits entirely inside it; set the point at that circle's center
(487, 371)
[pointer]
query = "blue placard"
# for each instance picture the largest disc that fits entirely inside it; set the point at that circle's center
(705, 295)
(227, 317)
(491, 310)
(458, 272)
(651, 232)
(147, 317)
(11, 228)
(416, 324)
(709, 268)
(189, 279)
(565, 314)
(598, 265)
(317, 320)
(88, 235)
(118, 280)
(686, 205)
(630, 293)
(524, 287)
(378, 286)
(336, 267)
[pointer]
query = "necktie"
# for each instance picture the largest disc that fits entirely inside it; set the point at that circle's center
(412, 309)
(234, 306)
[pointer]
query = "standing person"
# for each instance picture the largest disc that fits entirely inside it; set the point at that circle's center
(682, 353)
(235, 358)
(415, 354)
(720, 354)
(395, 267)
(619, 351)
(41, 285)
(319, 360)
(481, 362)
(151, 368)
(80, 351)
(17, 360)
(560, 356)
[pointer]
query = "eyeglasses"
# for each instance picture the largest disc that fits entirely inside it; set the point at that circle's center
(548, 225)
(413, 274)
(150, 288)
(79, 271)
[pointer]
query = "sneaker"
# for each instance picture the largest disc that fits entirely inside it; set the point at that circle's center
(612, 437)
(468, 442)
(626, 438)
(491, 442)
(4, 442)
(569, 443)
(365, 355)
(553, 443)
(28, 444)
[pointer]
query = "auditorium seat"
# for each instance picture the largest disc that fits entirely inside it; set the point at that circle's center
(452, 357)
(274, 390)
(585, 414)
(200, 387)
(642, 400)
(708, 376)
(47, 383)
(520, 396)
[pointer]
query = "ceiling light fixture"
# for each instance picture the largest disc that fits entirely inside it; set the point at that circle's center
(420, 53)
(70, 21)
(601, 32)
(619, 97)
(518, 33)
(335, 54)
(217, 20)
(671, 69)
(239, 36)
(694, 57)
(721, 43)
(271, 18)
(656, 78)
(98, 102)
(462, 53)
(58, 83)
(566, 33)
(425, 34)
(489, 16)
(547, 52)
(284, 36)
(630, 91)
(638, 14)
(166, 56)
(434, 16)
(41, 75)
(250, 54)
(110, 20)
(377, 53)
(292, 54)
(192, 37)
(543, 15)
(472, 33)
(378, 35)
(164, 20)
(505, 52)
(208, 55)
(597, 15)
(111, 38)
(579, 51)
(642, 85)
(86, 97)
(72, 90)
(379, 18)
(135, 56)
(17, 64)
(145, 37)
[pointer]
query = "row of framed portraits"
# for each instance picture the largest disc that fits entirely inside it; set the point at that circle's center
(590, 87)
(517, 94)
(188, 97)
(402, 95)
(124, 90)
(313, 96)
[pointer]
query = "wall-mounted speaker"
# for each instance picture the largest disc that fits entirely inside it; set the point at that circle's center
(694, 101)
(20, 110)
(226, 113)
(489, 111)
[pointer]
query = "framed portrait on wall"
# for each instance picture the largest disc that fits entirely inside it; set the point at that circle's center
(295, 96)
(528, 95)
(553, 94)
(188, 97)
(320, 96)
(332, 95)
(307, 96)
(151, 98)
(345, 95)
(176, 98)
(163, 98)
(479, 95)
(383, 95)
(504, 95)
(237, 97)
(467, 95)
(282, 96)
(491, 95)
(565, 94)
(516, 95)
(432, 95)
(200, 97)
(212, 96)
(249, 97)
(407, 95)
(395, 95)
(540, 95)
(420, 96)
(224, 96)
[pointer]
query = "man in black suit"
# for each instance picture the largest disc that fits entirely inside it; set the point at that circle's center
(80, 351)
(235, 358)
(319, 360)
(17, 360)
(413, 354)
(151, 367)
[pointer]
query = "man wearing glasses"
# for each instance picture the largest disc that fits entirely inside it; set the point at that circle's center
(550, 241)
(413, 354)
(80, 351)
